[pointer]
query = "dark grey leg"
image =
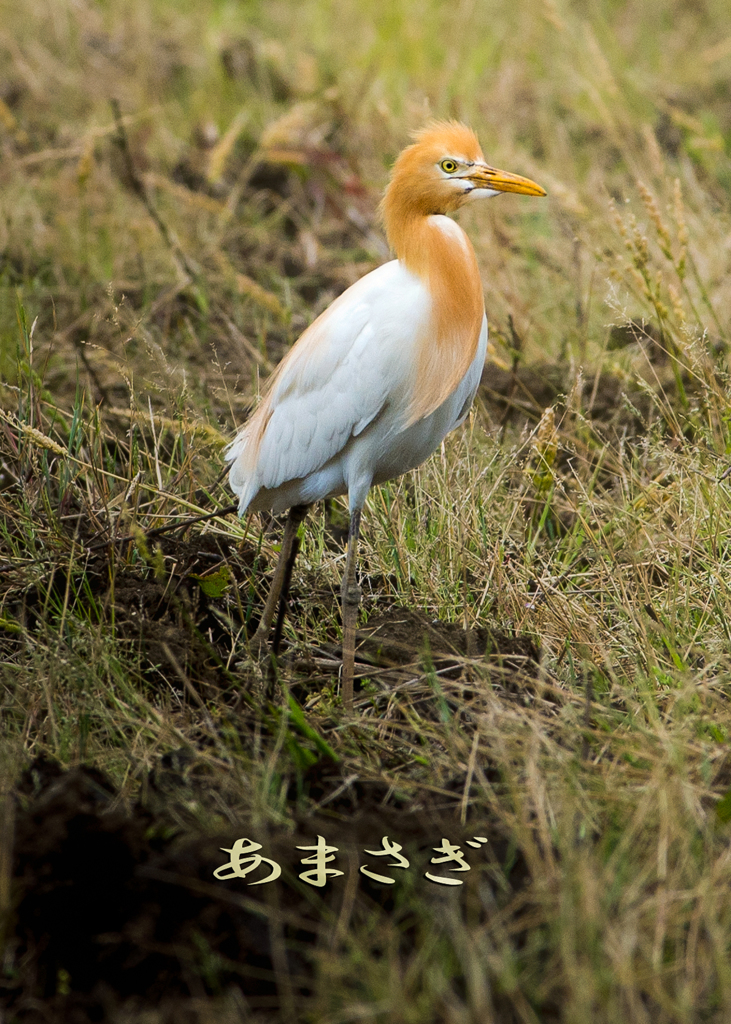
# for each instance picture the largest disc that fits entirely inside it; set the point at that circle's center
(284, 596)
(283, 571)
(351, 600)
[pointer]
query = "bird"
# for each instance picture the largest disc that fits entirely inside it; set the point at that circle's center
(378, 380)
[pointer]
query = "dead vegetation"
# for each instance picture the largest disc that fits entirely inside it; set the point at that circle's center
(543, 658)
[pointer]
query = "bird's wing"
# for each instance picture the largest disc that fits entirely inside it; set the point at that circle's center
(354, 360)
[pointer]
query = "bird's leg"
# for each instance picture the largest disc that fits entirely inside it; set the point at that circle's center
(284, 596)
(282, 572)
(351, 600)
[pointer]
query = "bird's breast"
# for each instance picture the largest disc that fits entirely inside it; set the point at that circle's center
(442, 255)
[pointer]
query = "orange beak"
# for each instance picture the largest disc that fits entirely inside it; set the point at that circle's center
(483, 176)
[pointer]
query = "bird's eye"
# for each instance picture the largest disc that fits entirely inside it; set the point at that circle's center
(448, 166)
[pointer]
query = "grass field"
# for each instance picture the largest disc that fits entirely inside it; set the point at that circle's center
(545, 649)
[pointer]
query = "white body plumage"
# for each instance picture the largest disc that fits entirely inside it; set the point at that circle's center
(339, 411)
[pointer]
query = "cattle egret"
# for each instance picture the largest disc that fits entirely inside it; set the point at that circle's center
(381, 377)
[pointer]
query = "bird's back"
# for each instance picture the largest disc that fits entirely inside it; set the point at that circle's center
(337, 412)
(353, 365)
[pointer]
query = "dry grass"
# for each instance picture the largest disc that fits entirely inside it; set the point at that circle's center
(571, 541)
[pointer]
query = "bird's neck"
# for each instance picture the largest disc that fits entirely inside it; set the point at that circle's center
(436, 249)
(440, 253)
